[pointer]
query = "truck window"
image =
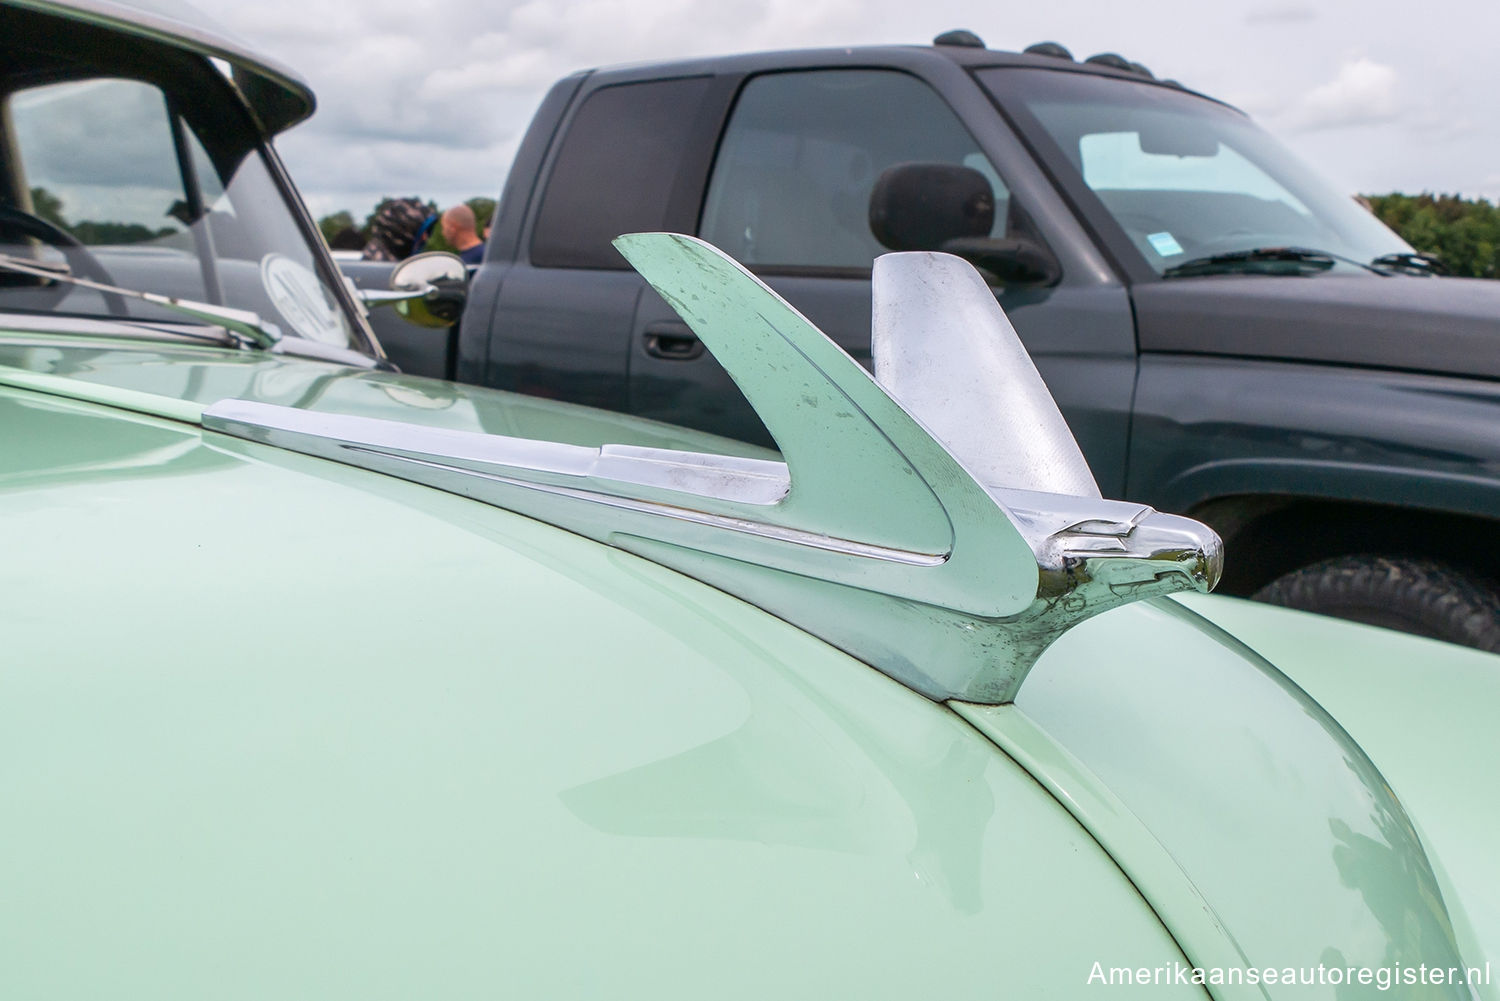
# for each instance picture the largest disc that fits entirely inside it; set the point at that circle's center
(791, 185)
(615, 172)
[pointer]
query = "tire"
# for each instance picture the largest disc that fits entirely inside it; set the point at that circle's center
(1413, 595)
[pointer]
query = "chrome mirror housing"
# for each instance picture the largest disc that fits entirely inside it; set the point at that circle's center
(432, 268)
(977, 536)
(428, 289)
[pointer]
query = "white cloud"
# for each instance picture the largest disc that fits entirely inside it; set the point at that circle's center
(1363, 93)
(1290, 13)
(438, 98)
(436, 104)
(522, 70)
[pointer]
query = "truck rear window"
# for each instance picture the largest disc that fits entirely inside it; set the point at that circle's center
(615, 172)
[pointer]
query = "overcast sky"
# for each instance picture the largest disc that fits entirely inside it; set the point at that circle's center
(431, 99)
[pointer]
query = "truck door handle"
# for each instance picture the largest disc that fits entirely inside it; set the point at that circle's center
(672, 340)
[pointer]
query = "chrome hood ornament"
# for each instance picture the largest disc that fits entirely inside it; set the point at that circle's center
(938, 523)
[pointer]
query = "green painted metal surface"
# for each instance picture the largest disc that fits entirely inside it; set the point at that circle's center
(273, 727)
(202, 375)
(1176, 899)
(272, 722)
(1425, 712)
(1276, 819)
(134, 400)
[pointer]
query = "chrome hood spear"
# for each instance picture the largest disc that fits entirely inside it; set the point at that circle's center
(983, 538)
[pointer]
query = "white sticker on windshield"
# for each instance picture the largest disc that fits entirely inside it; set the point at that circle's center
(1164, 244)
(301, 300)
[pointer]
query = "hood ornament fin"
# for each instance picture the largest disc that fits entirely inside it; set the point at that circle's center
(945, 542)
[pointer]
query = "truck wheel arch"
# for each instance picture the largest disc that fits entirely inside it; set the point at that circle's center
(1269, 535)
(1415, 595)
(1281, 547)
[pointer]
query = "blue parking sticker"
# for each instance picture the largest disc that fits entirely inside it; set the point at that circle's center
(1164, 244)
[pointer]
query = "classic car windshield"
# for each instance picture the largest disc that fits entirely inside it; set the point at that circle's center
(109, 178)
(1187, 178)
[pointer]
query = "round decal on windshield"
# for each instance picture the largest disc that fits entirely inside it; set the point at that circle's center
(301, 300)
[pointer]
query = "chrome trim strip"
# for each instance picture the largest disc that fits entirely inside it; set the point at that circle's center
(757, 482)
(826, 543)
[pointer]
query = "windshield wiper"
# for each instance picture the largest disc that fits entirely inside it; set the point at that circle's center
(1265, 261)
(1412, 264)
(247, 326)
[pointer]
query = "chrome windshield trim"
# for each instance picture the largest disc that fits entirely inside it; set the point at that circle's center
(242, 323)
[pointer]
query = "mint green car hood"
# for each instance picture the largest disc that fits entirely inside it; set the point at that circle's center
(1266, 838)
(495, 727)
(1425, 712)
(275, 728)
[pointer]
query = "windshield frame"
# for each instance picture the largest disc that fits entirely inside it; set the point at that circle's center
(1110, 236)
(60, 52)
(328, 270)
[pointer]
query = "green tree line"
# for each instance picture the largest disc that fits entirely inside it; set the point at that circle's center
(1464, 233)
(49, 207)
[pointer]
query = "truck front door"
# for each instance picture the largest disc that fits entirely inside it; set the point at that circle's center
(788, 196)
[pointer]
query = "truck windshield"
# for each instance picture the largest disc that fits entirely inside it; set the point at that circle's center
(156, 188)
(1186, 178)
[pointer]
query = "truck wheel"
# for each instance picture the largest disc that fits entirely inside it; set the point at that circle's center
(1412, 595)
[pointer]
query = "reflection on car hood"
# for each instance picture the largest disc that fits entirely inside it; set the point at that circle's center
(1447, 325)
(207, 375)
(694, 740)
(1248, 786)
(315, 731)
(1432, 740)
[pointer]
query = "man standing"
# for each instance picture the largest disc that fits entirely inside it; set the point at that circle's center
(460, 230)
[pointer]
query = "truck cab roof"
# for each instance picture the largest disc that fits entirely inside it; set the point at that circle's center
(967, 57)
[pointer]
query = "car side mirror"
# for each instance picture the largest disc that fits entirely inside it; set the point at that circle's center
(427, 289)
(951, 208)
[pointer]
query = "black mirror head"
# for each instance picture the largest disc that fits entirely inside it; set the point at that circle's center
(1016, 261)
(921, 206)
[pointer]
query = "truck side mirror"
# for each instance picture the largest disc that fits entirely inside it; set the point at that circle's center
(920, 206)
(1017, 261)
(947, 207)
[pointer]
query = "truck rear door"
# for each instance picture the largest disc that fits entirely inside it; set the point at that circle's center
(564, 310)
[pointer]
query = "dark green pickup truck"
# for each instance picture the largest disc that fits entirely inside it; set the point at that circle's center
(1227, 335)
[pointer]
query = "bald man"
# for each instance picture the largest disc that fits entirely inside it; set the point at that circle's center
(460, 230)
